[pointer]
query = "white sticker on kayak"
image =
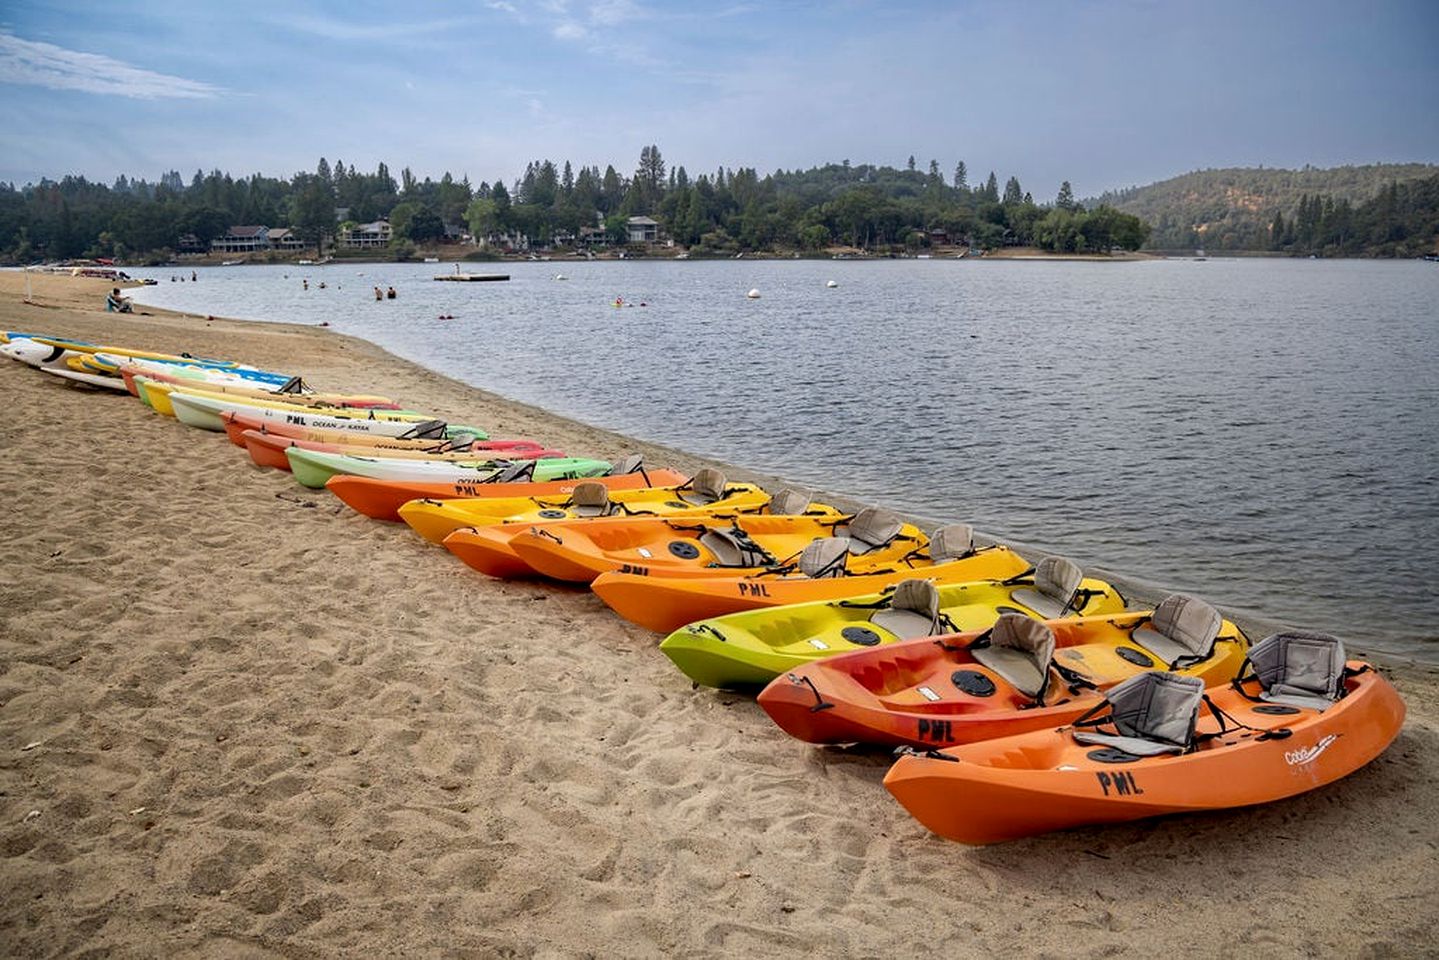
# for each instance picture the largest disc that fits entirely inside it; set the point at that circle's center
(645, 552)
(928, 694)
(818, 644)
(1298, 758)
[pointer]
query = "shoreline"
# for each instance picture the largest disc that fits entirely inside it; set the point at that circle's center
(267, 723)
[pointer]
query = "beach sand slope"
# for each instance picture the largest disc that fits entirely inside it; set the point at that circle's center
(238, 719)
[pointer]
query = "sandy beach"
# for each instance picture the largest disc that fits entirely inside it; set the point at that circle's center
(238, 719)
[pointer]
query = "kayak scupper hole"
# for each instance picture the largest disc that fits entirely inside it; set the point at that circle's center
(1112, 755)
(861, 636)
(553, 514)
(1276, 709)
(973, 683)
(684, 549)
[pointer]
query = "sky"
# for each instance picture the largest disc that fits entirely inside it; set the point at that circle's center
(1105, 94)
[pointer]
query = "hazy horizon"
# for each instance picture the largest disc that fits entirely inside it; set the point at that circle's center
(1105, 95)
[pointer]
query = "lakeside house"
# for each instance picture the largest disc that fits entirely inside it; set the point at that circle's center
(283, 238)
(642, 230)
(366, 235)
(242, 239)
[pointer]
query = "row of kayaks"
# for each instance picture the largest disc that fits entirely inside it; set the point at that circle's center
(1019, 698)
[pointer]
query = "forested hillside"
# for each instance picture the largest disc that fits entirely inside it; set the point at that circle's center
(879, 209)
(1236, 209)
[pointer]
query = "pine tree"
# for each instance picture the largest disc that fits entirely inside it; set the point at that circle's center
(1013, 193)
(991, 188)
(961, 176)
(1065, 200)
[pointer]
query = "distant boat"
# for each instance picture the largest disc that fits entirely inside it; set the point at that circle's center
(432, 259)
(231, 263)
(305, 263)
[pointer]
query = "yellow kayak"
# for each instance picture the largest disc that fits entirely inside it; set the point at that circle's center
(707, 493)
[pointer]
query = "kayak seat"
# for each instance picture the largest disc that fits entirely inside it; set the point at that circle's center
(1299, 669)
(824, 557)
(913, 610)
(1153, 713)
(1020, 649)
(871, 529)
(521, 471)
(704, 488)
(632, 463)
(734, 549)
(1181, 628)
(788, 502)
(1055, 581)
(951, 542)
(591, 499)
(424, 430)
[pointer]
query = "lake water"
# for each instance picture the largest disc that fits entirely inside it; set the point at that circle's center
(1263, 433)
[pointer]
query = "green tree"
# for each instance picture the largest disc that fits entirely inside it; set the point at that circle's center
(1065, 200)
(312, 215)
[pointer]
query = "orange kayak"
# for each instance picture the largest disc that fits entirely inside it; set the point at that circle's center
(935, 691)
(382, 499)
(268, 450)
(1247, 752)
(664, 604)
(581, 550)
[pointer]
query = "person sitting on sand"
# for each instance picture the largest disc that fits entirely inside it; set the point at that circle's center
(114, 303)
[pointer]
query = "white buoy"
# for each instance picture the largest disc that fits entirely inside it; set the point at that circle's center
(832, 284)
(561, 276)
(753, 294)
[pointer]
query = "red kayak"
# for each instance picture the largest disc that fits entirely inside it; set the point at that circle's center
(268, 450)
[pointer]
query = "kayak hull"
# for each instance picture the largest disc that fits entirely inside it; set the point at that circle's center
(664, 604)
(1035, 783)
(920, 693)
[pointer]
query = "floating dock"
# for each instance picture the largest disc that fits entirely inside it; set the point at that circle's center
(473, 277)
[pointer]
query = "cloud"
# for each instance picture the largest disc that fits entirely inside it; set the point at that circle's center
(46, 65)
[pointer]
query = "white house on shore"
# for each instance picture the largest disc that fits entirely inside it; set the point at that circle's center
(642, 230)
(242, 239)
(365, 235)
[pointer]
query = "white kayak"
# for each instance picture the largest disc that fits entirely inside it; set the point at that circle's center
(207, 413)
(89, 379)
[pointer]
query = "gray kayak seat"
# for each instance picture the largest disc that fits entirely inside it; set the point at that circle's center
(788, 502)
(521, 471)
(462, 441)
(913, 610)
(1181, 627)
(1154, 713)
(591, 499)
(824, 557)
(951, 542)
(871, 529)
(733, 550)
(424, 430)
(632, 463)
(1300, 669)
(1056, 579)
(705, 487)
(1020, 649)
